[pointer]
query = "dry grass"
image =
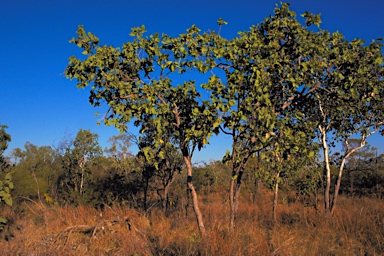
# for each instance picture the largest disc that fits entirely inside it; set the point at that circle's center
(356, 228)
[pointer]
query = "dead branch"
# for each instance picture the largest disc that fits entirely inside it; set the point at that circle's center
(103, 226)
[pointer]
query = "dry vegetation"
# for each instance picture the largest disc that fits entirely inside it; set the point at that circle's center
(356, 228)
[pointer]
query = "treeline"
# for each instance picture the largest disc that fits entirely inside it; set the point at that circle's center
(77, 171)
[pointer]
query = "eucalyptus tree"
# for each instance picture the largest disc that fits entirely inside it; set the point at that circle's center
(266, 82)
(36, 171)
(75, 163)
(120, 151)
(350, 102)
(361, 169)
(136, 82)
(364, 115)
(85, 148)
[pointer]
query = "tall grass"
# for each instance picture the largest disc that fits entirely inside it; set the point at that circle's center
(356, 228)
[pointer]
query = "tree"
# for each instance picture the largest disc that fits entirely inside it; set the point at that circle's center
(6, 184)
(5, 138)
(136, 83)
(278, 78)
(264, 89)
(350, 101)
(120, 151)
(75, 162)
(162, 162)
(361, 170)
(36, 171)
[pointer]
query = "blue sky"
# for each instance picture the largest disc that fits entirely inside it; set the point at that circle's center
(40, 105)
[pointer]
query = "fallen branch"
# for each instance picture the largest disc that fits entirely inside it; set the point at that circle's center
(91, 230)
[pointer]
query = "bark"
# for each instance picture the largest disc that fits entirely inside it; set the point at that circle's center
(195, 201)
(255, 192)
(232, 205)
(234, 195)
(341, 169)
(337, 187)
(275, 197)
(82, 167)
(237, 192)
(351, 181)
(165, 200)
(327, 168)
(82, 181)
(145, 194)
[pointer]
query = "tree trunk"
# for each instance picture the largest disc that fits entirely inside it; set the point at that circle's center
(232, 204)
(337, 187)
(255, 192)
(275, 197)
(327, 169)
(145, 194)
(237, 192)
(351, 181)
(166, 200)
(199, 216)
(82, 181)
(234, 196)
(346, 156)
(82, 167)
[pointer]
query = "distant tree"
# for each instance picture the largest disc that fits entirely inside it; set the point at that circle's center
(86, 148)
(120, 149)
(308, 182)
(36, 172)
(76, 162)
(361, 170)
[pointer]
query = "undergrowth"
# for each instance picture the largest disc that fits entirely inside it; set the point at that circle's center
(355, 228)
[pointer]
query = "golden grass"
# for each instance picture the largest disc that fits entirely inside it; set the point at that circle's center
(356, 228)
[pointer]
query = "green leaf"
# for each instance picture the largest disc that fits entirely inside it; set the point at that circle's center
(221, 22)
(3, 220)
(232, 103)
(8, 199)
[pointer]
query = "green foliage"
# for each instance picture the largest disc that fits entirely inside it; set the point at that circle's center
(364, 172)
(135, 82)
(6, 185)
(75, 181)
(273, 89)
(35, 172)
(5, 138)
(5, 189)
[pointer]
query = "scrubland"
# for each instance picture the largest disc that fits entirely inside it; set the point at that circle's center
(355, 228)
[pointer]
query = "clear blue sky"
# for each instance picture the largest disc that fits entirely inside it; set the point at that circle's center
(40, 105)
